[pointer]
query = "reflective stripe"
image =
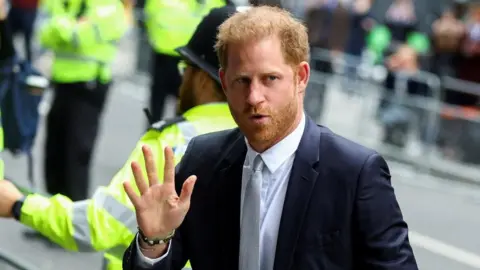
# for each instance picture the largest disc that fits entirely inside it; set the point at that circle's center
(81, 233)
(188, 132)
(75, 38)
(118, 211)
(176, 28)
(98, 35)
(72, 56)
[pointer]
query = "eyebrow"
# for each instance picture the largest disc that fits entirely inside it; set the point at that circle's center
(269, 73)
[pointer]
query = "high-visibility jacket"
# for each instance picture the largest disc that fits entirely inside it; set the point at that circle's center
(107, 222)
(83, 35)
(171, 24)
(379, 40)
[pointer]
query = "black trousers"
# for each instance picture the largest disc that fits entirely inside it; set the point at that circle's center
(72, 127)
(23, 21)
(166, 81)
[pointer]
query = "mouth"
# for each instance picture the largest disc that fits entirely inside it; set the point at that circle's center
(257, 116)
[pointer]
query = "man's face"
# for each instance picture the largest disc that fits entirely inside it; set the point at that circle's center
(265, 94)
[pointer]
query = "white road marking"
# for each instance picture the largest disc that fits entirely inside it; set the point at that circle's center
(445, 250)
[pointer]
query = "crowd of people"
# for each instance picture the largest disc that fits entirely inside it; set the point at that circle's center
(437, 37)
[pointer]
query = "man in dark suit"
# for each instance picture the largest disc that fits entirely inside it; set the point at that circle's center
(279, 192)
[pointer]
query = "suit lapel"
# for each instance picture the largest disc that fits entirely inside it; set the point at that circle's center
(300, 186)
(228, 203)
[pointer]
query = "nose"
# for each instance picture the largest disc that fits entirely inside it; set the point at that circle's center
(255, 94)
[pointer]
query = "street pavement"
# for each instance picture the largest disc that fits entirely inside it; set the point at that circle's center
(443, 215)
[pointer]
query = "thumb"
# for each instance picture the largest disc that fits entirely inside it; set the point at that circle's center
(187, 190)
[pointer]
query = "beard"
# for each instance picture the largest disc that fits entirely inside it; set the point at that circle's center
(279, 121)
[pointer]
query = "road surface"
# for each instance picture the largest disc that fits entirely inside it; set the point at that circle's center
(444, 216)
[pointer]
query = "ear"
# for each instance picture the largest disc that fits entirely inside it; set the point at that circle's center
(303, 75)
(221, 74)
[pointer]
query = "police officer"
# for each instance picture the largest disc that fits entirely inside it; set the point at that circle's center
(82, 35)
(170, 24)
(106, 222)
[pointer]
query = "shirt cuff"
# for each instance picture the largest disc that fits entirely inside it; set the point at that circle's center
(143, 261)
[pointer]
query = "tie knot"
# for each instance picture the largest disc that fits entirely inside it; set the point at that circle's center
(257, 163)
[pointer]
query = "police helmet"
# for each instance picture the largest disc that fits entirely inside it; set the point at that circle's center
(200, 50)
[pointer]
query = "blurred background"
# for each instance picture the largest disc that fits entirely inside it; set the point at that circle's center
(392, 75)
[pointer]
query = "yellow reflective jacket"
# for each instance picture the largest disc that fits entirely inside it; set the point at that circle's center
(170, 24)
(83, 35)
(107, 222)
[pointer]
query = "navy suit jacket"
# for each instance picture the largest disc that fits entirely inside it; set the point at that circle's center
(340, 210)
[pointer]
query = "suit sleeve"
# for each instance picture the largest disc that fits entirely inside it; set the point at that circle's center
(382, 232)
(177, 256)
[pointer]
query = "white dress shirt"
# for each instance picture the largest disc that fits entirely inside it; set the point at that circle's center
(278, 162)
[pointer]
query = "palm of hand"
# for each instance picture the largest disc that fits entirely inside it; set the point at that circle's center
(159, 209)
(158, 202)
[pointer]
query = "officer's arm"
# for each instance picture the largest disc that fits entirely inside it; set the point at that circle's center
(48, 33)
(105, 221)
(104, 23)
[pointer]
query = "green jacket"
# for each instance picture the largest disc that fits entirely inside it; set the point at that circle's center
(170, 24)
(83, 36)
(107, 222)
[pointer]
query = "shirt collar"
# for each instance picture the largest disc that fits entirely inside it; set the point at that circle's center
(276, 155)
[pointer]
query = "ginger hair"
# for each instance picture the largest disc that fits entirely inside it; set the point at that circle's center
(260, 22)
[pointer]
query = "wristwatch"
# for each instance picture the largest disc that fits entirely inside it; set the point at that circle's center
(17, 208)
(155, 241)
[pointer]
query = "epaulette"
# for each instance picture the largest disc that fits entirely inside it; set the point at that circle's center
(163, 124)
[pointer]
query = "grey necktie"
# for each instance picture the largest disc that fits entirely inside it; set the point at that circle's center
(250, 225)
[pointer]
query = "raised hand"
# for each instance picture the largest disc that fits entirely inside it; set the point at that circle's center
(159, 209)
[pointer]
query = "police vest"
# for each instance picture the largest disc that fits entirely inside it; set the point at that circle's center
(83, 51)
(171, 24)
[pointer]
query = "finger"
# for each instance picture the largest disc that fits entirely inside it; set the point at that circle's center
(169, 170)
(139, 179)
(187, 190)
(134, 198)
(150, 165)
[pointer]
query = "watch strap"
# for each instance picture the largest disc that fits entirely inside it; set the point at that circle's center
(17, 209)
(155, 241)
